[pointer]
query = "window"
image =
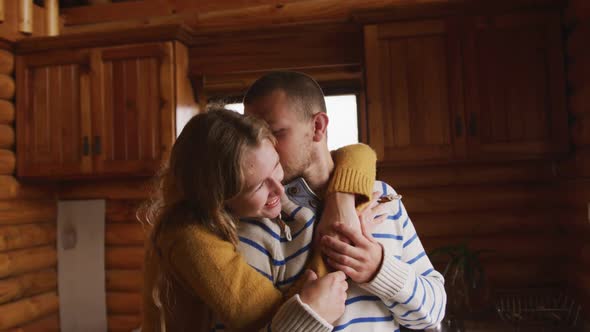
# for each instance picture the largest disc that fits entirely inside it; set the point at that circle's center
(343, 125)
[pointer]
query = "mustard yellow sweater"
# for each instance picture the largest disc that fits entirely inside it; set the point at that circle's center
(206, 275)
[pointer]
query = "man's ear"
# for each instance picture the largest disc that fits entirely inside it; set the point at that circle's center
(320, 123)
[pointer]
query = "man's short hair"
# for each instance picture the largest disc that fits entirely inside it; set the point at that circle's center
(300, 89)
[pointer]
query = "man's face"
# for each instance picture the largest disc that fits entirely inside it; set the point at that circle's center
(294, 135)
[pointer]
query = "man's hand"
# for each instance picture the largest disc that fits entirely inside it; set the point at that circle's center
(360, 259)
(327, 295)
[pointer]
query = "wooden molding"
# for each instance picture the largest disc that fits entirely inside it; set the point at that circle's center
(25, 16)
(437, 9)
(110, 38)
(52, 17)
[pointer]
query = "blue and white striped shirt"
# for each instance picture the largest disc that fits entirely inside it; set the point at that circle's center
(406, 290)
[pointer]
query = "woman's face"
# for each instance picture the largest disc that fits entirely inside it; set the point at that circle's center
(263, 174)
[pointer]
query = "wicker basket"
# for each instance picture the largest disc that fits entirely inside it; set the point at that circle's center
(539, 310)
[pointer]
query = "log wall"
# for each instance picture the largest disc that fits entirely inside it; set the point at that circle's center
(575, 172)
(124, 241)
(28, 258)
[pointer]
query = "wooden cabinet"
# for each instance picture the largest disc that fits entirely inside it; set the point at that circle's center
(53, 112)
(133, 125)
(514, 86)
(99, 111)
(466, 88)
(411, 82)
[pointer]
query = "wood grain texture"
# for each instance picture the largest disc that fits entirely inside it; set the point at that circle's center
(6, 62)
(26, 260)
(6, 112)
(28, 309)
(28, 284)
(13, 212)
(25, 236)
(7, 162)
(49, 323)
(7, 87)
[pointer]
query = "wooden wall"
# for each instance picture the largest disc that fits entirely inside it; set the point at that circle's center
(575, 172)
(28, 259)
(505, 208)
(9, 28)
(124, 241)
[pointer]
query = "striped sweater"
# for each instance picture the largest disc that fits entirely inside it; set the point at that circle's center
(406, 290)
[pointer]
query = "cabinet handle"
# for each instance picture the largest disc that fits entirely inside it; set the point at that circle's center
(458, 125)
(85, 146)
(97, 147)
(472, 124)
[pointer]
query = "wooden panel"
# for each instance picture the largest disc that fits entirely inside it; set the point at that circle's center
(6, 62)
(27, 211)
(26, 285)
(26, 260)
(117, 189)
(488, 222)
(514, 87)
(123, 234)
(24, 236)
(123, 302)
(517, 247)
(413, 87)
(135, 124)
(7, 162)
(52, 100)
(122, 210)
(124, 258)
(283, 48)
(27, 310)
(124, 280)
(10, 188)
(123, 323)
(7, 87)
(6, 137)
(49, 323)
(6, 112)
(477, 198)
(446, 175)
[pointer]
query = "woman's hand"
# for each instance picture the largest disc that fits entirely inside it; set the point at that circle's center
(326, 295)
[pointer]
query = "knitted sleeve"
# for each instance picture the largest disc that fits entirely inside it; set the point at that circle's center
(220, 277)
(354, 170)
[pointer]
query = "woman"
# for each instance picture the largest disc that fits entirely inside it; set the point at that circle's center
(222, 167)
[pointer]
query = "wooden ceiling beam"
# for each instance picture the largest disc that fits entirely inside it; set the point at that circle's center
(220, 15)
(115, 11)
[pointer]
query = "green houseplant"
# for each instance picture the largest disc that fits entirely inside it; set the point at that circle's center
(464, 282)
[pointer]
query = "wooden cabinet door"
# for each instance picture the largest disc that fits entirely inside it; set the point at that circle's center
(515, 86)
(414, 90)
(53, 114)
(134, 127)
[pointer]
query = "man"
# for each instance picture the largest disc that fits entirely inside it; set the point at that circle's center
(393, 282)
